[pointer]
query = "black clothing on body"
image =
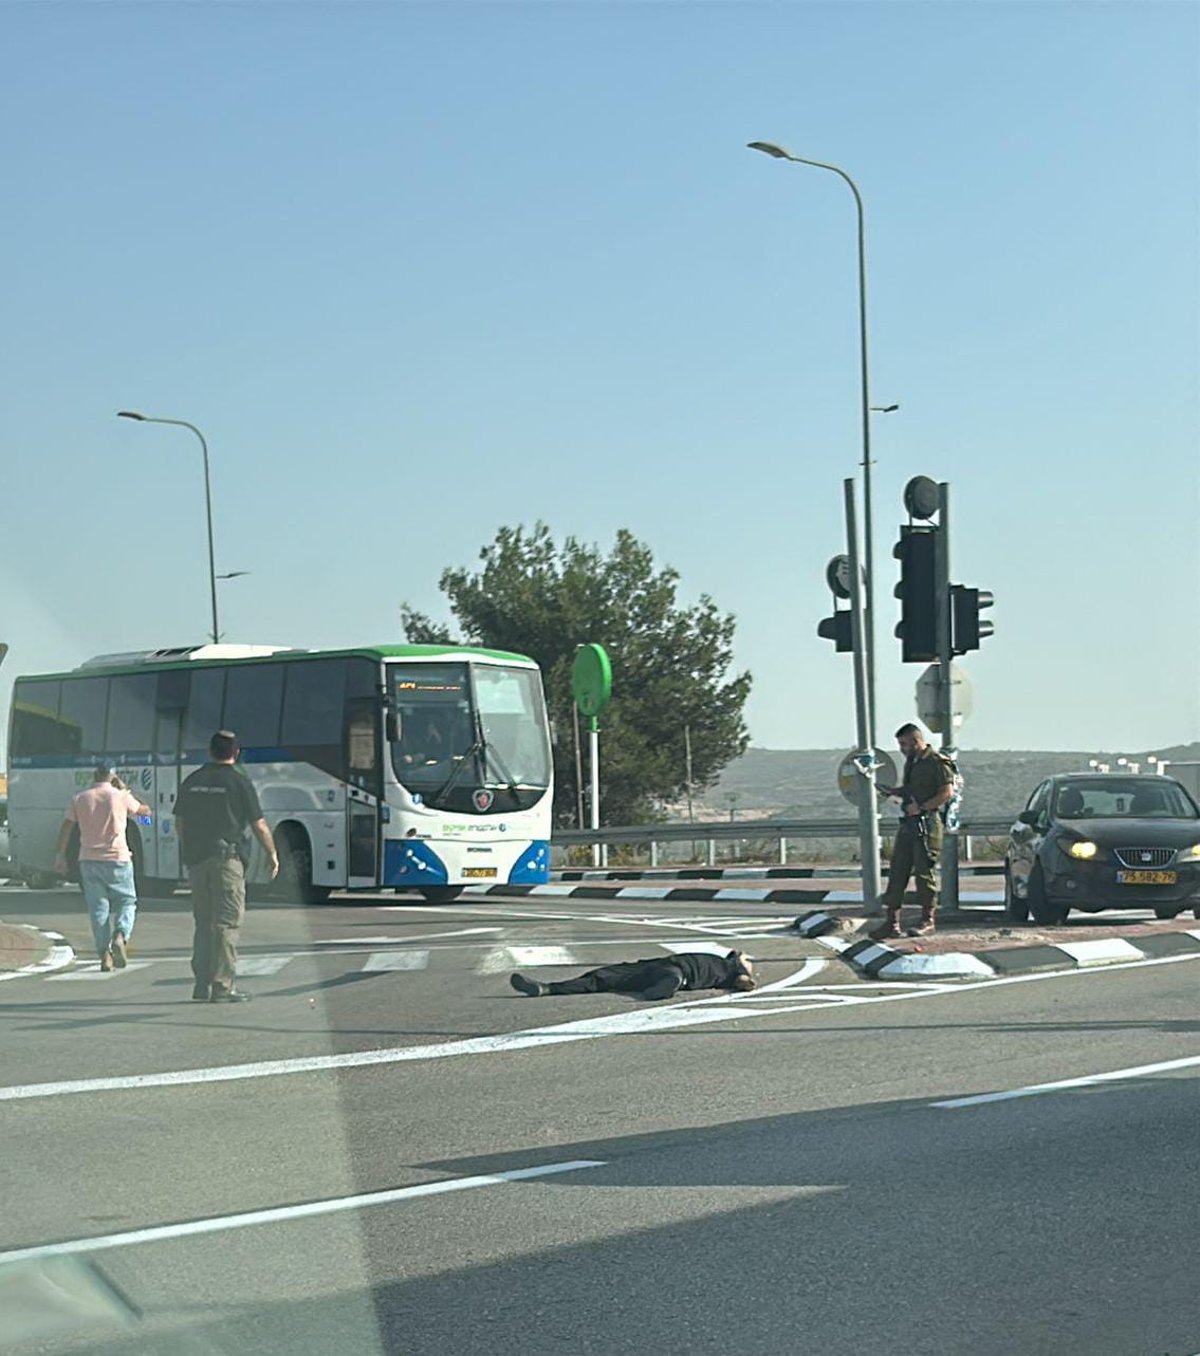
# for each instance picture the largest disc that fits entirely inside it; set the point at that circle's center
(217, 804)
(656, 977)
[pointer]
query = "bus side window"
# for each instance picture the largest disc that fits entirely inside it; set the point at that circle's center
(253, 696)
(83, 712)
(35, 727)
(131, 713)
(361, 737)
(203, 718)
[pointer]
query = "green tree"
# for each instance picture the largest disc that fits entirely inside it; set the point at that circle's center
(670, 663)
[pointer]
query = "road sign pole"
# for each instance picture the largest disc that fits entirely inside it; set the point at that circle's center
(591, 687)
(868, 813)
(945, 685)
(598, 853)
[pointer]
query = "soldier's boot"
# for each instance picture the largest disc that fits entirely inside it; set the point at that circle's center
(890, 927)
(928, 922)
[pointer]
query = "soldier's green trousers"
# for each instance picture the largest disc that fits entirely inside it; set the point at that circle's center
(915, 855)
(218, 909)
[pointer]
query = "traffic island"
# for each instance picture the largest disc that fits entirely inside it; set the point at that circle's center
(26, 950)
(988, 954)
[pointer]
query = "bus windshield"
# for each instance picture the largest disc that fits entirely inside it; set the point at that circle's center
(469, 738)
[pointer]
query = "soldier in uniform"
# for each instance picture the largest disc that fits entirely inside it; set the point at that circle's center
(927, 785)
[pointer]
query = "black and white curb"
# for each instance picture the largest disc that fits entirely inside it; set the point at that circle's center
(62, 954)
(875, 960)
(742, 873)
(694, 893)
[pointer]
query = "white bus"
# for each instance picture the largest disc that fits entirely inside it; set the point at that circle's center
(416, 767)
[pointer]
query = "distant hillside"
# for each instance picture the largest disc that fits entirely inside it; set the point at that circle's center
(801, 783)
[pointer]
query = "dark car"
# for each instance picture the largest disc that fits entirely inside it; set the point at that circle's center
(1095, 841)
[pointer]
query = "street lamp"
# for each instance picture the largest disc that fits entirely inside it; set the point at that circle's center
(212, 568)
(782, 153)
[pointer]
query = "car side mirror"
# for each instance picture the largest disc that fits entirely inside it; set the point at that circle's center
(1029, 817)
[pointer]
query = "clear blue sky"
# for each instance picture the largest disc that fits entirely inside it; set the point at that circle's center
(422, 270)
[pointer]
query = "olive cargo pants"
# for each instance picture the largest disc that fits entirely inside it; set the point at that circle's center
(218, 910)
(911, 857)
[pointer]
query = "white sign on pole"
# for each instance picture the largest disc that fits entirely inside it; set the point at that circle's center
(929, 703)
(851, 780)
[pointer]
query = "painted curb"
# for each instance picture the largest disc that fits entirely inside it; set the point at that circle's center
(695, 893)
(740, 873)
(61, 956)
(874, 960)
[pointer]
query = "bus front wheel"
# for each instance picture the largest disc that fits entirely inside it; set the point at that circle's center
(442, 894)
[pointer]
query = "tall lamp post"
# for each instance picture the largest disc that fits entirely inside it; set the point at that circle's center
(212, 567)
(781, 153)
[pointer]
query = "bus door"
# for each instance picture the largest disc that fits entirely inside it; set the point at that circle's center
(172, 697)
(364, 812)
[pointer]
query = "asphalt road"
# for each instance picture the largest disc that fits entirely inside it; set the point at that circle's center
(762, 1174)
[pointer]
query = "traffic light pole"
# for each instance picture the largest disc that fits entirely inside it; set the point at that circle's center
(868, 813)
(945, 649)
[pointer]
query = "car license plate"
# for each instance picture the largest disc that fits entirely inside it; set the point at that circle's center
(483, 871)
(1147, 877)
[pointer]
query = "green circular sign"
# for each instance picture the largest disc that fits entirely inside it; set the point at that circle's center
(591, 679)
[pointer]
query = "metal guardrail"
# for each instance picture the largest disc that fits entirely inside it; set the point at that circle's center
(780, 831)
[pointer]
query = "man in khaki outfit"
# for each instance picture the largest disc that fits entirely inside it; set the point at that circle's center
(927, 785)
(215, 807)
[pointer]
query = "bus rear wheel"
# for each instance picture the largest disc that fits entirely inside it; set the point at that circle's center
(295, 882)
(441, 894)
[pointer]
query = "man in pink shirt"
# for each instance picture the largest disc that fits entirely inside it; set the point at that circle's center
(105, 862)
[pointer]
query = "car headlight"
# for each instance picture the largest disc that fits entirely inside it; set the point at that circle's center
(1189, 854)
(1083, 850)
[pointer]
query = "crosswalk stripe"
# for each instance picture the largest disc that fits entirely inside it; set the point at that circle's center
(542, 955)
(92, 970)
(396, 960)
(504, 958)
(261, 965)
(708, 948)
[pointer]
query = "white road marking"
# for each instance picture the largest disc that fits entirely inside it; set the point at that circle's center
(92, 970)
(347, 941)
(1036, 1089)
(643, 1021)
(262, 965)
(277, 1214)
(543, 955)
(395, 960)
(692, 948)
(812, 966)
(510, 957)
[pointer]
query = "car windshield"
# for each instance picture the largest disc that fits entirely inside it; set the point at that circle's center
(1123, 798)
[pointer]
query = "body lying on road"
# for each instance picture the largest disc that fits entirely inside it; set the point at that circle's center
(653, 979)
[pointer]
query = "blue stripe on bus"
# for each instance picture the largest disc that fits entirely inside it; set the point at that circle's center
(533, 865)
(409, 861)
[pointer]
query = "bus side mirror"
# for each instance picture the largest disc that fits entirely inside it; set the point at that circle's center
(392, 728)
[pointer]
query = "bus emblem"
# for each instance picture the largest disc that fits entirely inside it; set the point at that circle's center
(482, 799)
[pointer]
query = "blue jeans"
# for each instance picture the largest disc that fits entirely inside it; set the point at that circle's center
(111, 899)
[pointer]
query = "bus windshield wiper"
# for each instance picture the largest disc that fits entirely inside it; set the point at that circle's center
(490, 751)
(472, 753)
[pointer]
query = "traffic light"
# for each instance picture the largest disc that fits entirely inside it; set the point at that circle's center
(917, 590)
(839, 628)
(967, 630)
